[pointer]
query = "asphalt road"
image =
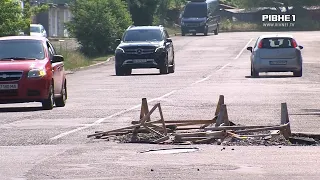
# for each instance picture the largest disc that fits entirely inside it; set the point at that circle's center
(38, 144)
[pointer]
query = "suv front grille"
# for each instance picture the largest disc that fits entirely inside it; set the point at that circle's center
(10, 75)
(192, 24)
(139, 50)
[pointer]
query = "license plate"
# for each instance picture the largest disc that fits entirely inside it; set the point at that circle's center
(140, 60)
(8, 86)
(278, 62)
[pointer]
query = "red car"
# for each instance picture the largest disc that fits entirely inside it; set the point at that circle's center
(31, 71)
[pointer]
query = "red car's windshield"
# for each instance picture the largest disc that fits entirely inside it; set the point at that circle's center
(21, 49)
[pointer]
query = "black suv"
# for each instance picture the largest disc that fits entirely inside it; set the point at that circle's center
(144, 47)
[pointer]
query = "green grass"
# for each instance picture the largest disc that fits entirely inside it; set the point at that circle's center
(75, 59)
(173, 30)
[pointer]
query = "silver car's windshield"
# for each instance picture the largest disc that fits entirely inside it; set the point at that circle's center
(35, 29)
(21, 49)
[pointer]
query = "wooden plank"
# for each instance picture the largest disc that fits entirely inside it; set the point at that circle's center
(152, 130)
(180, 121)
(280, 127)
(162, 139)
(233, 127)
(220, 102)
(144, 109)
(200, 134)
(162, 120)
(115, 130)
(285, 120)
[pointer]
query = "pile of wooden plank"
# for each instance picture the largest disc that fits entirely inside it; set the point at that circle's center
(219, 129)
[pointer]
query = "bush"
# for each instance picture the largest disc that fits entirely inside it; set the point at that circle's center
(97, 24)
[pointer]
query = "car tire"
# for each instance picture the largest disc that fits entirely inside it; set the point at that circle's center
(297, 73)
(164, 69)
(172, 67)
(119, 71)
(216, 31)
(47, 104)
(128, 71)
(183, 33)
(206, 31)
(61, 101)
(194, 34)
(254, 73)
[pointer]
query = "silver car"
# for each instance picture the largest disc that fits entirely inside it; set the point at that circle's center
(276, 53)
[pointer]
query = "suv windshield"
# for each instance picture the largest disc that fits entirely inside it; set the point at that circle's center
(143, 35)
(198, 10)
(277, 43)
(35, 29)
(21, 49)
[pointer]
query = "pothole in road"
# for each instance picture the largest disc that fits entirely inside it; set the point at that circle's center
(171, 151)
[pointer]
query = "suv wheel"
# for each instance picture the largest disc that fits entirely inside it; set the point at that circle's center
(216, 32)
(172, 67)
(128, 71)
(254, 73)
(61, 101)
(206, 31)
(183, 33)
(119, 71)
(297, 73)
(164, 69)
(48, 103)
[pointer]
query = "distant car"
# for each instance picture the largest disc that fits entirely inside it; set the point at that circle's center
(200, 16)
(276, 53)
(144, 47)
(37, 30)
(31, 71)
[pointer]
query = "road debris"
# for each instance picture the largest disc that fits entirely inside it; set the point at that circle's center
(219, 130)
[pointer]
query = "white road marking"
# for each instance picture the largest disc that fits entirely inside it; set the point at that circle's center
(245, 47)
(99, 121)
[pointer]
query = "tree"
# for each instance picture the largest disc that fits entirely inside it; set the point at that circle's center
(98, 23)
(11, 17)
(143, 11)
(30, 10)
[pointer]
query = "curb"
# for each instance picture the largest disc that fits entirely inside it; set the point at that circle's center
(90, 66)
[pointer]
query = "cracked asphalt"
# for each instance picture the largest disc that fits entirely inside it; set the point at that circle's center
(39, 144)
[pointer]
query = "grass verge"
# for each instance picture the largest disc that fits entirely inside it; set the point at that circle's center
(75, 59)
(173, 30)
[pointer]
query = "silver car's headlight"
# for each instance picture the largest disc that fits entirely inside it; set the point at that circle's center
(36, 73)
(119, 50)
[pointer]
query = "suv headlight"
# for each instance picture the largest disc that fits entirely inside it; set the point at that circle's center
(160, 49)
(36, 73)
(119, 50)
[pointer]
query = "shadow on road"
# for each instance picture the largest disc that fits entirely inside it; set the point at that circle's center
(20, 109)
(271, 76)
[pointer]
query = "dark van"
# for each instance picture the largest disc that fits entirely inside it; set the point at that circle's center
(200, 16)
